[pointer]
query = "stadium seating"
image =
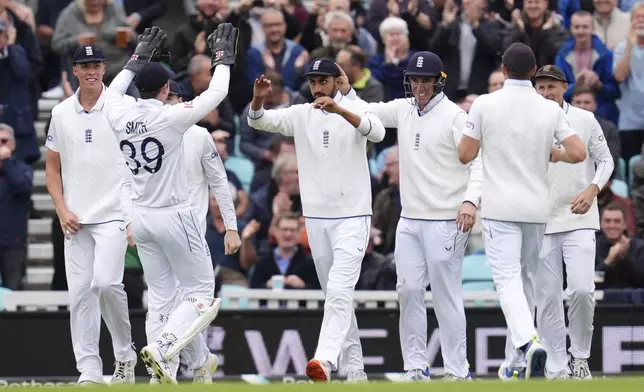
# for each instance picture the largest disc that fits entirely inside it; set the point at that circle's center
(477, 275)
(621, 169)
(620, 188)
(631, 162)
(243, 168)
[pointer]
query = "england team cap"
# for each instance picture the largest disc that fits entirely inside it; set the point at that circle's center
(323, 67)
(551, 72)
(175, 88)
(152, 77)
(424, 64)
(88, 54)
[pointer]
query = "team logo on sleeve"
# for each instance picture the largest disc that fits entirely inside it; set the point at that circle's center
(50, 138)
(469, 124)
(188, 105)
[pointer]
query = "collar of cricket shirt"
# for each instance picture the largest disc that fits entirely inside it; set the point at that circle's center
(517, 83)
(97, 106)
(431, 104)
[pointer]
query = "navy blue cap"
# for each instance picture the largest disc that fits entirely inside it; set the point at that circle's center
(88, 54)
(175, 88)
(152, 77)
(424, 64)
(3, 25)
(322, 67)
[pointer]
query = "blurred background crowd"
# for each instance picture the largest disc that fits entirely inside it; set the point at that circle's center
(598, 43)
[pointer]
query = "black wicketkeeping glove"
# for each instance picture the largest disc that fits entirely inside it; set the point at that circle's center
(223, 45)
(162, 54)
(147, 44)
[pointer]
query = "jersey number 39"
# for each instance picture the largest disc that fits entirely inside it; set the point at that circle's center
(156, 160)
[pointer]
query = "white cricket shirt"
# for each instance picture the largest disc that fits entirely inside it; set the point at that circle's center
(206, 171)
(567, 181)
(516, 127)
(433, 182)
(95, 179)
(149, 135)
(331, 155)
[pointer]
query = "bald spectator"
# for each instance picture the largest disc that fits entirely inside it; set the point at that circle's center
(278, 54)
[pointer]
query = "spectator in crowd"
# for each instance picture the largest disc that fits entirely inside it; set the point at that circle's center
(584, 98)
(16, 180)
(610, 23)
(637, 194)
(418, 10)
(538, 28)
(495, 81)
(94, 22)
(587, 62)
(233, 268)
(389, 66)
(257, 144)
(197, 81)
(23, 10)
(280, 195)
(15, 101)
(315, 33)
(607, 196)
(387, 206)
(339, 28)
(353, 61)
(278, 54)
(46, 17)
(566, 8)
(240, 197)
(142, 13)
(255, 12)
(628, 67)
(479, 42)
(419, 25)
(287, 259)
(619, 255)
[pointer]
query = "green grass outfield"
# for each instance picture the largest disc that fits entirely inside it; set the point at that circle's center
(617, 384)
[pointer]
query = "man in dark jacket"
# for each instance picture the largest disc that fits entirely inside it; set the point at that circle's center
(287, 259)
(619, 256)
(16, 107)
(478, 43)
(15, 192)
(141, 13)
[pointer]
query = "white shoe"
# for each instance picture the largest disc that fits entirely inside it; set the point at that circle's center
(204, 374)
(88, 383)
(356, 376)
(451, 377)
(319, 371)
(164, 370)
(123, 372)
(560, 375)
(511, 374)
(416, 375)
(579, 368)
(535, 356)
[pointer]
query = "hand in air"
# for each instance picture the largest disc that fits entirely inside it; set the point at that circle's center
(262, 87)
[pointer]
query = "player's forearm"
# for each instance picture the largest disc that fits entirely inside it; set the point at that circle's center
(121, 82)
(126, 201)
(256, 104)
(475, 183)
(55, 189)
(603, 171)
(371, 128)
(622, 70)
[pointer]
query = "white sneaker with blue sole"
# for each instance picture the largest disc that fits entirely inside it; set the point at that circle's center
(535, 356)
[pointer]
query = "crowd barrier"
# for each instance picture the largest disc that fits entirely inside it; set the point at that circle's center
(278, 343)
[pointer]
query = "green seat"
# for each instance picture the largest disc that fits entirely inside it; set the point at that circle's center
(477, 275)
(620, 188)
(621, 169)
(243, 168)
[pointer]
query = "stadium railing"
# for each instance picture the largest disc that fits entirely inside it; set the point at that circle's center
(241, 299)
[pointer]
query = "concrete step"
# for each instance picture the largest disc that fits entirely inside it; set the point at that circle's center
(40, 253)
(43, 202)
(46, 105)
(39, 182)
(39, 230)
(41, 131)
(39, 278)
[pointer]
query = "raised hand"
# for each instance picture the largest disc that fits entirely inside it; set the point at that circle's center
(223, 45)
(147, 44)
(262, 87)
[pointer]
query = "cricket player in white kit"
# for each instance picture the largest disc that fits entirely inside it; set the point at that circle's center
(331, 145)
(514, 129)
(168, 236)
(93, 206)
(205, 172)
(439, 198)
(570, 235)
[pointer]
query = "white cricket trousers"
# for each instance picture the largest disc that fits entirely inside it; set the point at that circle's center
(431, 252)
(176, 263)
(338, 247)
(94, 265)
(512, 251)
(576, 249)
